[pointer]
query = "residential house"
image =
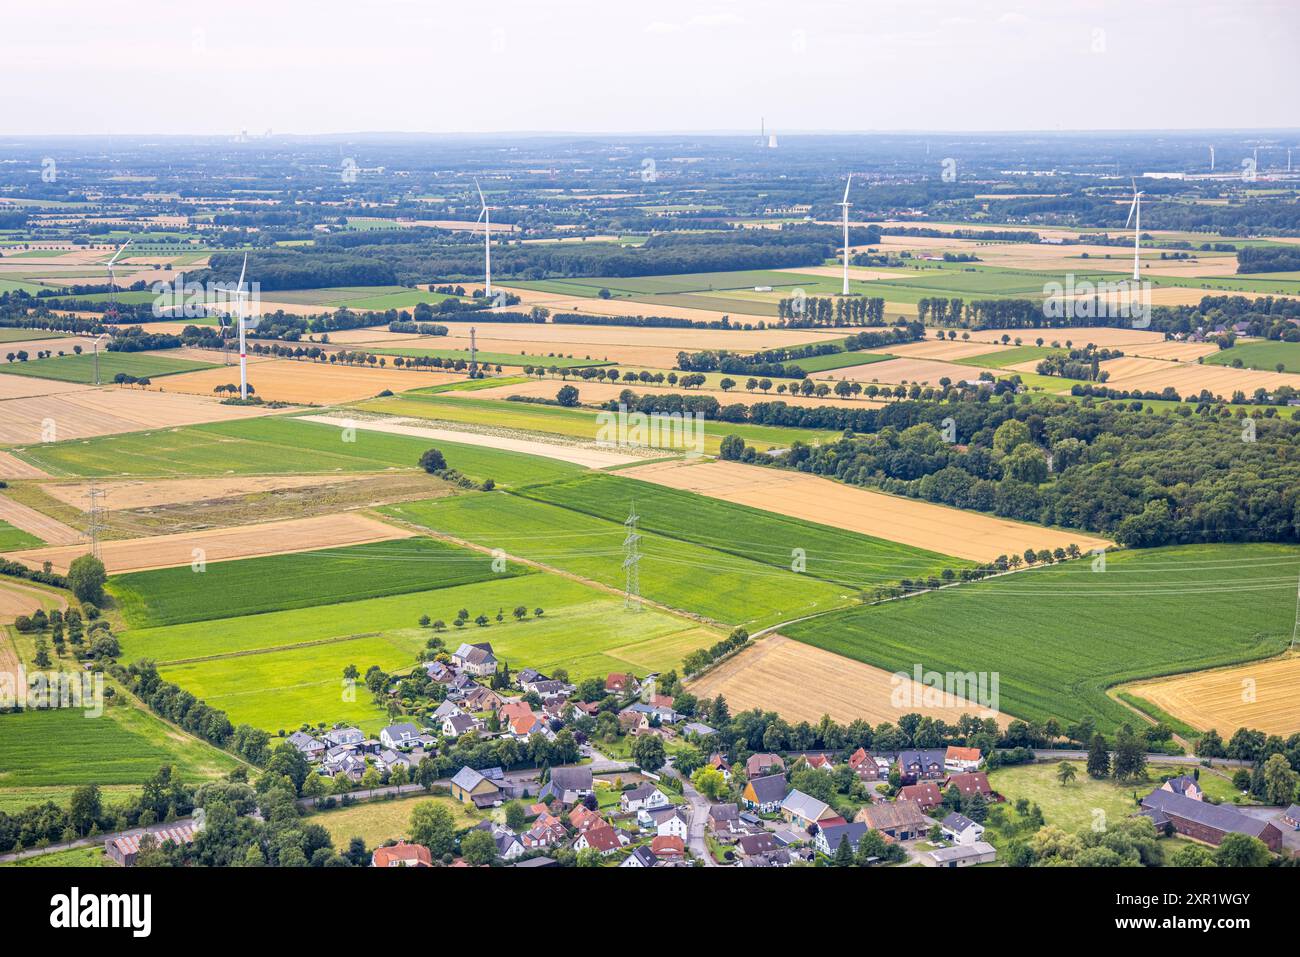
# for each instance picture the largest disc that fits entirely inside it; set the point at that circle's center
(1291, 817)
(438, 671)
(922, 765)
(1206, 822)
(960, 829)
(622, 684)
(523, 728)
(1185, 785)
(654, 712)
(927, 795)
(668, 847)
(390, 760)
(473, 787)
(752, 844)
(765, 793)
(459, 724)
(662, 701)
(447, 709)
(582, 818)
(509, 846)
(724, 821)
(126, 848)
(671, 820)
(402, 736)
(479, 698)
(605, 839)
(869, 767)
(762, 764)
(343, 737)
(958, 759)
(902, 819)
(963, 855)
(640, 857)
(402, 854)
(546, 831)
(719, 764)
(696, 727)
(514, 709)
(476, 659)
(829, 839)
(819, 761)
(310, 748)
(970, 784)
(549, 688)
(343, 760)
(777, 858)
(568, 785)
(804, 810)
(645, 796)
(526, 676)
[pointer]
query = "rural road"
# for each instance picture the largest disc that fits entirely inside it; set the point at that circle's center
(1152, 757)
(99, 839)
(699, 818)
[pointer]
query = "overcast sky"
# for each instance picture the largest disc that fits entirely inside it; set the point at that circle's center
(329, 66)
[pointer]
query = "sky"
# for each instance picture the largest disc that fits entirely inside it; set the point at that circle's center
(445, 66)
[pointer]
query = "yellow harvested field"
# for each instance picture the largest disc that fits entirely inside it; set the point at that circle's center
(1175, 351)
(922, 371)
(221, 544)
(802, 683)
(12, 467)
(47, 529)
(1264, 695)
(942, 349)
(584, 454)
(287, 380)
(16, 600)
(938, 528)
(21, 386)
(31, 346)
(90, 412)
(150, 493)
(623, 307)
(1100, 336)
(1188, 378)
(592, 393)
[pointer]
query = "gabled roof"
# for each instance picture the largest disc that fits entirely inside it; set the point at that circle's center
(724, 812)
(971, 782)
(1220, 817)
(603, 838)
(771, 789)
(645, 856)
(804, 805)
(468, 779)
(757, 843)
(640, 792)
(667, 844)
(571, 779)
(901, 813)
(963, 754)
(835, 834)
(958, 822)
(402, 731)
(415, 853)
(460, 723)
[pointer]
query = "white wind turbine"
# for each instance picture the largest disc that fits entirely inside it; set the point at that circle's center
(240, 300)
(1135, 217)
(486, 217)
(844, 205)
(112, 279)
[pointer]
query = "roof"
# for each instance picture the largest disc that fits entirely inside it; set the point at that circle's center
(1217, 816)
(958, 822)
(667, 844)
(770, 789)
(804, 805)
(835, 834)
(971, 782)
(603, 838)
(468, 779)
(645, 856)
(961, 851)
(1293, 812)
(404, 730)
(571, 779)
(696, 727)
(757, 843)
(724, 812)
(460, 723)
(963, 754)
(885, 814)
(923, 757)
(178, 834)
(756, 762)
(927, 792)
(418, 853)
(640, 792)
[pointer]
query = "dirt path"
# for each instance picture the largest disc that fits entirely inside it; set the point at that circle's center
(49, 530)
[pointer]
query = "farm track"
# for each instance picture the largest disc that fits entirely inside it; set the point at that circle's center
(271, 650)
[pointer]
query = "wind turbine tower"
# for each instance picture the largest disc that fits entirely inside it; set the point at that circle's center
(844, 205)
(1211, 159)
(486, 217)
(240, 300)
(112, 279)
(1135, 217)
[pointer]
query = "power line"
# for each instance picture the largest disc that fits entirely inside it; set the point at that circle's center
(96, 524)
(631, 561)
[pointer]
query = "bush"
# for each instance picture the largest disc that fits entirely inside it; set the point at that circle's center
(433, 462)
(86, 577)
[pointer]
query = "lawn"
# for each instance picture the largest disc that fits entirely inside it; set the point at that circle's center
(832, 554)
(125, 745)
(724, 587)
(73, 368)
(254, 672)
(378, 821)
(77, 857)
(11, 334)
(1058, 637)
(231, 589)
(277, 445)
(1260, 355)
(573, 423)
(13, 539)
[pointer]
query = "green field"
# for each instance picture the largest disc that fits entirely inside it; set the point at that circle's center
(378, 821)
(170, 596)
(276, 445)
(1260, 355)
(125, 745)
(1009, 357)
(839, 360)
(1058, 637)
(13, 539)
(573, 423)
(72, 368)
(832, 554)
(10, 334)
(724, 587)
(279, 669)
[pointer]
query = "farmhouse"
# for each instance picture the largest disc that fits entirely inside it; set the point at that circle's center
(1206, 822)
(1185, 785)
(125, 849)
(900, 819)
(471, 787)
(963, 855)
(961, 759)
(402, 854)
(766, 793)
(926, 795)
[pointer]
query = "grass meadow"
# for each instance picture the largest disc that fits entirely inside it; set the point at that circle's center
(74, 368)
(1058, 637)
(13, 539)
(1260, 355)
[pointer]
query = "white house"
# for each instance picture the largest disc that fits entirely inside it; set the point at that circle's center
(667, 822)
(640, 857)
(646, 796)
(957, 760)
(400, 736)
(960, 829)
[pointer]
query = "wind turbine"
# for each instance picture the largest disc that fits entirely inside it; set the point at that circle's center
(844, 205)
(486, 217)
(240, 299)
(1211, 159)
(1135, 211)
(112, 279)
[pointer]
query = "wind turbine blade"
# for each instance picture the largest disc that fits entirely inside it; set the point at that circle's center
(1131, 210)
(119, 252)
(240, 288)
(847, 184)
(482, 201)
(481, 213)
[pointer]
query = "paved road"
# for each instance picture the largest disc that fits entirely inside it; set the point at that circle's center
(699, 818)
(98, 840)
